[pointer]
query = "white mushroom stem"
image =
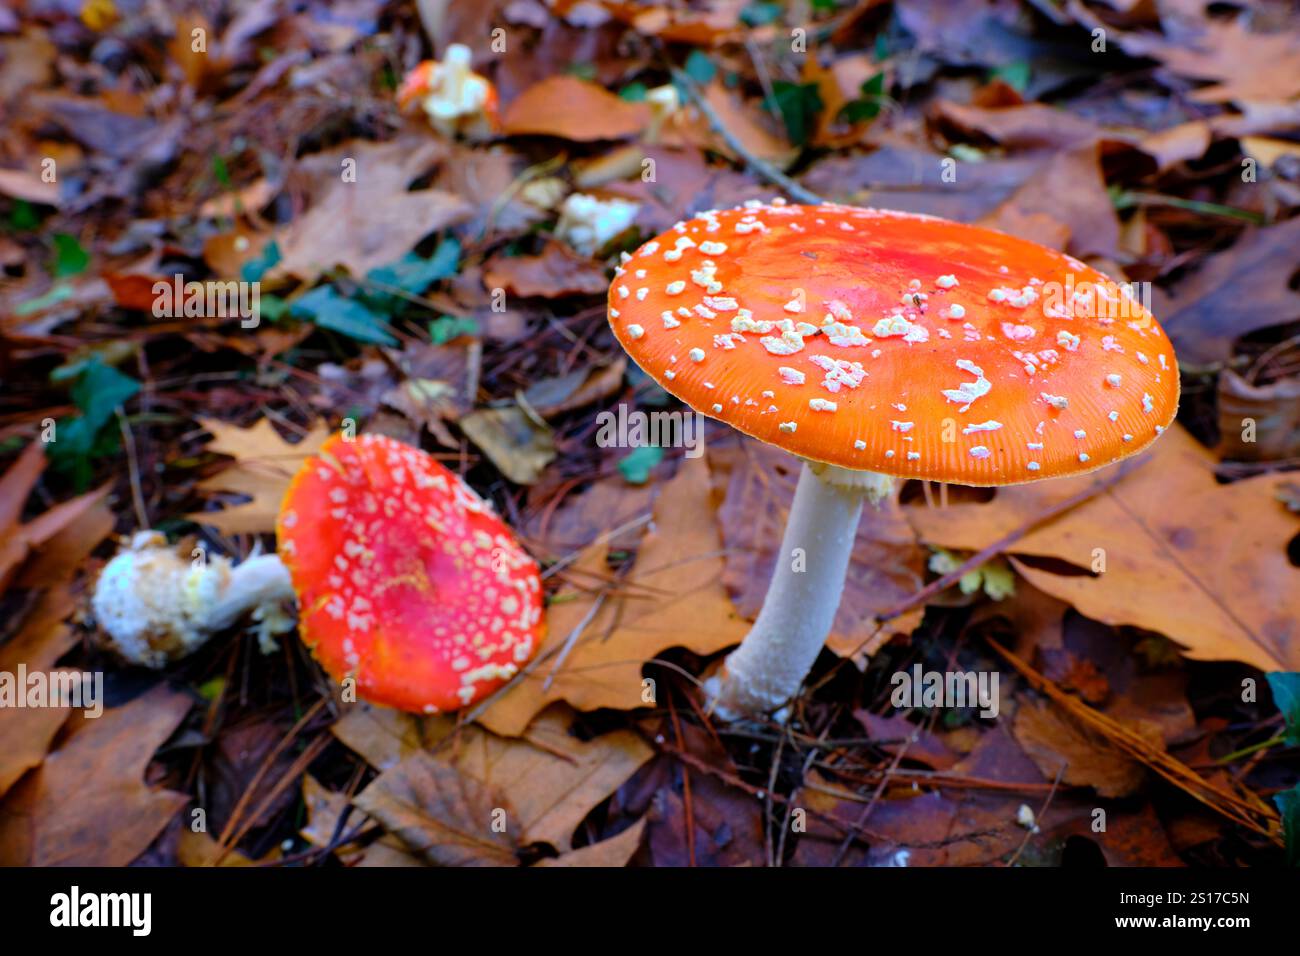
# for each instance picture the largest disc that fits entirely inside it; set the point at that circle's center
(777, 653)
(155, 605)
(254, 583)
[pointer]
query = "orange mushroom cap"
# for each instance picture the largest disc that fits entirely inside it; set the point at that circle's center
(424, 78)
(405, 578)
(897, 343)
(415, 84)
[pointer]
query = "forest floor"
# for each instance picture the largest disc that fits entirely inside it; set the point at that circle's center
(425, 287)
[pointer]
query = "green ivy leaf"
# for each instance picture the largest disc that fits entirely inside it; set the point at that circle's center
(414, 274)
(445, 328)
(637, 466)
(330, 310)
(799, 104)
(100, 389)
(1286, 694)
(1288, 804)
(255, 268)
(98, 392)
(700, 68)
(1015, 75)
(70, 258)
(759, 14)
(23, 217)
(867, 107)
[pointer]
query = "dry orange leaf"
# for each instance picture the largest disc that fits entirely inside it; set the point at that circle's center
(673, 597)
(614, 852)
(556, 272)
(570, 108)
(45, 819)
(17, 541)
(1202, 563)
(362, 215)
(264, 465)
(554, 779)
(1056, 743)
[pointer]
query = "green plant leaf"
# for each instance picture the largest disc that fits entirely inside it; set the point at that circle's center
(445, 328)
(758, 14)
(1015, 75)
(414, 274)
(1286, 694)
(330, 310)
(254, 269)
(57, 293)
(799, 104)
(23, 217)
(700, 68)
(637, 466)
(98, 391)
(1288, 804)
(868, 106)
(70, 258)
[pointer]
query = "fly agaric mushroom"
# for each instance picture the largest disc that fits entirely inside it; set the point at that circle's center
(453, 96)
(406, 579)
(155, 606)
(874, 344)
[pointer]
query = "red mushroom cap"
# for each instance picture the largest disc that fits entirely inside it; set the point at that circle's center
(897, 343)
(406, 579)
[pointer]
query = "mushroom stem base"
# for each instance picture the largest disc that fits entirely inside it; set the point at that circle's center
(254, 584)
(777, 653)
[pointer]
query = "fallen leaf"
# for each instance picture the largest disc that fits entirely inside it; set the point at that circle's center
(1191, 572)
(1069, 190)
(912, 180)
(1273, 411)
(554, 779)
(675, 597)
(613, 852)
(94, 784)
(556, 272)
(441, 813)
(25, 539)
(1058, 744)
(264, 465)
(1233, 293)
(1177, 144)
(20, 184)
(515, 442)
(896, 734)
(1245, 65)
(325, 807)
(372, 218)
(1031, 126)
(554, 396)
(570, 108)
(200, 849)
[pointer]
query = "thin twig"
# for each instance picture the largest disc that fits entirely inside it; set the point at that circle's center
(1042, 812)
(133, 468)
(761, 167)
